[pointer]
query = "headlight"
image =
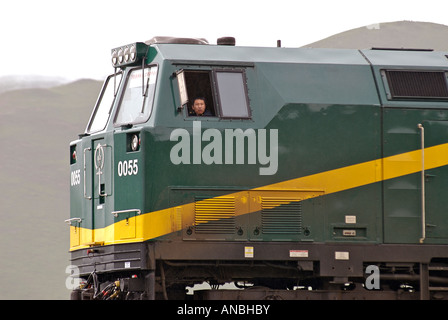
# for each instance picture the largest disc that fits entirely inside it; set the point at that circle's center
(129, 55)
(114, 57)
(120, 56)
(135, 142)
(133, 52)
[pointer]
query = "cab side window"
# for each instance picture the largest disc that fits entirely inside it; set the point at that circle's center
(223, 91)
(198, 85)
(232, 94)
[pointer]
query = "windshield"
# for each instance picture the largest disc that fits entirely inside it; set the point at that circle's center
(103, 107)
(136, 104)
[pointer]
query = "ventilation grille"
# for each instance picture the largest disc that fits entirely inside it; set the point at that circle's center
(417, 84)
(215, 215)
(281, 215)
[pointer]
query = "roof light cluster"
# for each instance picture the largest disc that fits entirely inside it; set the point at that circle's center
(129, 54)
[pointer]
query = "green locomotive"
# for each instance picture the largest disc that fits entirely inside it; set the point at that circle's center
(310, 174)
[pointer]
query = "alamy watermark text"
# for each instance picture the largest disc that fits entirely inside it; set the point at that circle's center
(226, 147)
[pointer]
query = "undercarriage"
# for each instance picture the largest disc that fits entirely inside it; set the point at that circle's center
(366, 273)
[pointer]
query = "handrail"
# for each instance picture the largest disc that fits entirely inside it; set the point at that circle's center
(116, 213)
(422, 137)
(85, 168)
(69, 221)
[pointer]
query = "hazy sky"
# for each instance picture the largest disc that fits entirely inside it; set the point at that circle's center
(72, 39)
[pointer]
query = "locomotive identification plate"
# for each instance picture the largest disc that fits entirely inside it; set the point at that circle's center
(298, 253)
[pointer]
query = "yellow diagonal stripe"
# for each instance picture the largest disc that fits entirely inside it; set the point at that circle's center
(158, 223)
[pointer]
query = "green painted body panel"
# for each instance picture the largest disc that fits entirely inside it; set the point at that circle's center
(299, 155)
(402, 196)
(128, 175)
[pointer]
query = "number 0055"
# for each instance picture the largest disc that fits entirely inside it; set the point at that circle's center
(75, 177)
(127, 168)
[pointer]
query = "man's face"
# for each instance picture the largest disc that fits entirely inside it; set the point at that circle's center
(199, 106)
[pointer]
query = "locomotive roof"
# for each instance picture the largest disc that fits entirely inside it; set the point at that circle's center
(258, 54)
(386, 57)
(313, 75)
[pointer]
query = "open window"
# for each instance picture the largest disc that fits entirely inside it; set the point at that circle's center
(193, 85)
(223, 91)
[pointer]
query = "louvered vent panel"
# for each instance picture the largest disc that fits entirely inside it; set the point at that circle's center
(215, 215)
(281, 215)
(417, 84)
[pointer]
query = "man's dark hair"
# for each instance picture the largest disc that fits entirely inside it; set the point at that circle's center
(200, 98)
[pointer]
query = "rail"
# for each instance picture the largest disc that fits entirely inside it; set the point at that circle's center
(85, 169)
(422, 176)
(69, 221)
(116, 213)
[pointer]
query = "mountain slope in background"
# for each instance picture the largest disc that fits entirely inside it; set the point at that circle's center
(37, 124)
(16, 82)
(36, 127)
(401, 34)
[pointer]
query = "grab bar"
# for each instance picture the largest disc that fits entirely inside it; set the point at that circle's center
(116, 213)
(85, 168)
(422, 137)
(69, 221)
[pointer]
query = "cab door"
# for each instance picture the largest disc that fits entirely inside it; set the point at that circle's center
(102, 189)
(97, 186)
